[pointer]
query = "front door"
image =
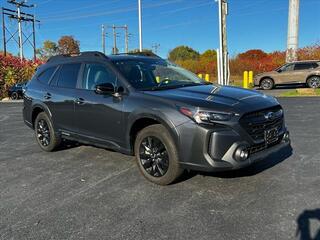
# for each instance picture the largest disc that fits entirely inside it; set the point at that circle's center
(285, 75)
(97, 116)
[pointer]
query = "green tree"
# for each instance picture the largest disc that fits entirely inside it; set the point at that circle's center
(68, 45)
(183, 53)
(209, 55)
(48, 50)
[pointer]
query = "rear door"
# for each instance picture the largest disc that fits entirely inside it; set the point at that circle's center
(61, 96)
(301, 71)
(98, 116)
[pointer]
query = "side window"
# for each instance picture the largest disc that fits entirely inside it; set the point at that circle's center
(55, 77)
(68, 75)
(289, 67)
(315, 65)
(95, 74)
(303, 66)
(46, 75)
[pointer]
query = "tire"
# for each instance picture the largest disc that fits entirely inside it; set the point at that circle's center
(157, 155)
(267, 84)
(14, 96)
(47, 139)
(313, 82)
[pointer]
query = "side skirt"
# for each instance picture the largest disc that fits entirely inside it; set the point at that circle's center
(93, 141)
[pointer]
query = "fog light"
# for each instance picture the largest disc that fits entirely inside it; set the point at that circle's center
(241, 153)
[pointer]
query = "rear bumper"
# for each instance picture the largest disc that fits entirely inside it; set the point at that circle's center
(213, 150)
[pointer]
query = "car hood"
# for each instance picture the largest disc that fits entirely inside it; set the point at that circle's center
(219, 98)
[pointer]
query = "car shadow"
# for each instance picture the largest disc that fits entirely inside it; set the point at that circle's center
(251, 170)
(303, 224)
(68, 144)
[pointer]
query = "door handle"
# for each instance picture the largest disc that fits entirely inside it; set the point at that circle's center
(47, 96)
(79, 101)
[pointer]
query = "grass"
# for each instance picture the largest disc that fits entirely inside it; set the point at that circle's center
(301, 93)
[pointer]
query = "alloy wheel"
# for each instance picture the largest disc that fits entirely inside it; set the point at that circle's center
(154, 156)
(14, 96)
(314, 82)
(267, 84)
(43, 133)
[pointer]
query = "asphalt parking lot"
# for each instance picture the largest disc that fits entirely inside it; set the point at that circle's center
(84, 192)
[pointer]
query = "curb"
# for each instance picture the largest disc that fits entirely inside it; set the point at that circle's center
(12, 101)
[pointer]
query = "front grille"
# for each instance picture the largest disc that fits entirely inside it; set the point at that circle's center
(256, 123)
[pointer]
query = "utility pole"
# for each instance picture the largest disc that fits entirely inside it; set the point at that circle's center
(115, 50)
(20, 17)
(222, 53)
(140, 25)
(293, 30)
(155, 47)
(34, 38)
(4, 33)
(103, 37)
(115, 35)
(20, 32)
(126, 38)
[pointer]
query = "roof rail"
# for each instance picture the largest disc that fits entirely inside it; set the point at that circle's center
(302, 61)
(82, 54)
(145, 54)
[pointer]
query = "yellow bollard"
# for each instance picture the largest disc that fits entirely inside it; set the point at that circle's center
(200, 75)
(251, 79)
(207, 77)
(158, 79)
(245, 79)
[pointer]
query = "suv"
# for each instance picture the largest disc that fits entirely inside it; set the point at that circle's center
(306, 72)
(16, 91)
(148, 107)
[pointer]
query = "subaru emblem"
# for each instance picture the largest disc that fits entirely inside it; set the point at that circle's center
(269, 116)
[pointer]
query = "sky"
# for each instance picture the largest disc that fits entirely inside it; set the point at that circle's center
(252, 24)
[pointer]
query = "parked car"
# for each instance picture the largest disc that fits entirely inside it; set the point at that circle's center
(16, 91)
(166, 116)
(303, 72)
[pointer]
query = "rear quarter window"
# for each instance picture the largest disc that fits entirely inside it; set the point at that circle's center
(46, 75)
(303, 66)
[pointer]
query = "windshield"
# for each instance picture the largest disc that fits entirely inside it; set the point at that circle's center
(156, 74)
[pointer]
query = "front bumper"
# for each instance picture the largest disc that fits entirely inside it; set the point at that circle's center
(213, 150)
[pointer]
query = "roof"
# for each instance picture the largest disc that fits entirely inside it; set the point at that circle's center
(96, 54)
(119, 57)
(89, 54)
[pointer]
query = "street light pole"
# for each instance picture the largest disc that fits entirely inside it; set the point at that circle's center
(140, 26)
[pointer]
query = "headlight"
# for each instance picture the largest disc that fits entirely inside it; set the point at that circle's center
(205, 117)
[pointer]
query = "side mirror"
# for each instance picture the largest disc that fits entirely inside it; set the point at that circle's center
(279, 71)
(106, 88)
